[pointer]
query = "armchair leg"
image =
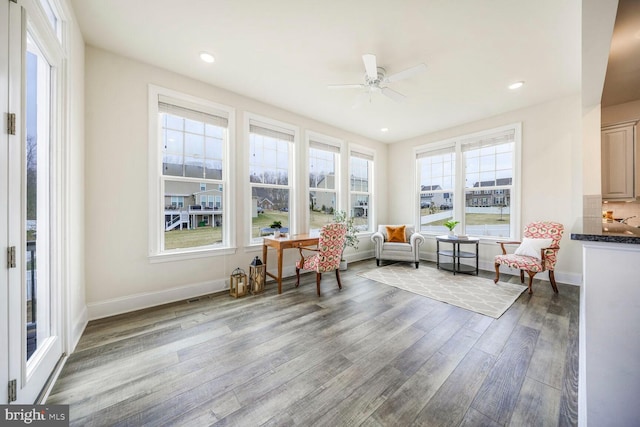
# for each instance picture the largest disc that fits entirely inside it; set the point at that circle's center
(521, 276)
(297, 277)
(377, 262)
(338, 278)
(552, 279)
(417, 262)
(531, 274)
(497, 273)
(318, 277)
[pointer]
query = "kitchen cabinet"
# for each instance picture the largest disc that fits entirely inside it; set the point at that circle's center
(620, 164)
(609, 378)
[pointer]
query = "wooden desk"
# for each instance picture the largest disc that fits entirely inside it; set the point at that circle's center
(282, 243)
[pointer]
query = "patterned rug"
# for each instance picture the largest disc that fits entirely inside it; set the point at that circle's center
(469, 292)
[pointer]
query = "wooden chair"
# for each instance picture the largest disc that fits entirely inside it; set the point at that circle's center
(533, 263)
(328, 254)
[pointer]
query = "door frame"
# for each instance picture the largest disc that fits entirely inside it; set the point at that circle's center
(32, 378)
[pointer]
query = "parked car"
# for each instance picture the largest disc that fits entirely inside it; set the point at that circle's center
(260, 210)
(285, 209)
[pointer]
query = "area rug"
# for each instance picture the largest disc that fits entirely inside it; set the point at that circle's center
(469, 292)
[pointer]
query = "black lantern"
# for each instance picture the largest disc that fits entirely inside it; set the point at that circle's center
(257, 274)
(238, 286)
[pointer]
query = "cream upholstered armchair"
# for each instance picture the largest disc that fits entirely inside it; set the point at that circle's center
(397, 243)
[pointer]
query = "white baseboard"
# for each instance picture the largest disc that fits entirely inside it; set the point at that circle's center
(98, 310)
(77, 329)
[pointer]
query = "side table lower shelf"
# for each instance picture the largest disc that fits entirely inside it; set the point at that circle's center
(456, 255)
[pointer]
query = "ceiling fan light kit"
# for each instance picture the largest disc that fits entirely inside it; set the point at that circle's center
(375, 79)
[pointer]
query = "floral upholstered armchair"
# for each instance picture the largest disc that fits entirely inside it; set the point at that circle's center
(397, 243)
(537, 252)
(327, 255)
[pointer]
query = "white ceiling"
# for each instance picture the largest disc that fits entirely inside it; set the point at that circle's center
(286, 52)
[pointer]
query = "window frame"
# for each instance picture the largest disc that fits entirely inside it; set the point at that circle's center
(459, 188)
(156, 178)
(331, 143)
(370, 156)
(292, 183)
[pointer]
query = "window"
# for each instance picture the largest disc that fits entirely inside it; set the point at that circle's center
(270, 179)
(361, 189)
(324, 179)
(473, 180)
(54, 19)
(190, 166)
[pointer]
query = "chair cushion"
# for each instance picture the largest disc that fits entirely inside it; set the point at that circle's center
(520, 262)
(396, 234)
(532, 247)
(395, 246)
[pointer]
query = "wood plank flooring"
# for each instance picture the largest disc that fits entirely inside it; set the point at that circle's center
(369, 355)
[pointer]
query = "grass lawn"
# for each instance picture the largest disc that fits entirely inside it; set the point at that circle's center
(479, 219)
(201, 236)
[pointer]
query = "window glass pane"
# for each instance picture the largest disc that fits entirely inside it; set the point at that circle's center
(321, 208)
(174, 122)
(193, 126)
(360, 197)
(436, 170)
(187, 222)
(360, 211)
(173, 142)
(488, 213)
(194, 145)
(184, 152)
(271, 204)
(435, 209)
(322, 169)
(193, 167)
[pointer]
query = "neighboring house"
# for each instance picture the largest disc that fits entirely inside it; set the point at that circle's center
(489, 198)
(191, 205)
(432, 197)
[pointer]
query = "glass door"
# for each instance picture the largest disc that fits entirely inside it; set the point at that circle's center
(33, 300)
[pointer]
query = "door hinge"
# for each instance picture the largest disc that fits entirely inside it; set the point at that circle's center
(11, 123)
(12, 391)
(11, 257)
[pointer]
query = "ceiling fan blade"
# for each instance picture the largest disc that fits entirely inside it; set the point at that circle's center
(406, 73)
(353, 86)
(370, 65)
(396, 96)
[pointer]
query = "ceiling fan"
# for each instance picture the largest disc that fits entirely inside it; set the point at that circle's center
(375, 78)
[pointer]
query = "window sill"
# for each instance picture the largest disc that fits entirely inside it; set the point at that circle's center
(188, 255)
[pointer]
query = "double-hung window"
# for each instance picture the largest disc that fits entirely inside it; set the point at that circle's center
(324, 179)
(474, 180)
(361, 189)
(270, 176)
(189, 172)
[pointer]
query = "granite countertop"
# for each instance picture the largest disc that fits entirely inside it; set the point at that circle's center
(599, 230)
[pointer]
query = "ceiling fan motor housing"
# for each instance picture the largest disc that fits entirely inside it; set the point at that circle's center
(375, 83)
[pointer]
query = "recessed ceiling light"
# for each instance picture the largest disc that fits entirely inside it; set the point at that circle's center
(516, 85)
(384, 130)
(207, 57)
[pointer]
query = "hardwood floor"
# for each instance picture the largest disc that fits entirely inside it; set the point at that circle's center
(369, 355)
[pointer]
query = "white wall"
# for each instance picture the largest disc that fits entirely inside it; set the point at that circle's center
(551, 176)
(119, 276)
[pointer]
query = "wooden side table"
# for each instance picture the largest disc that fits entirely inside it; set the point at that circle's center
(282, 243)
(456, 254)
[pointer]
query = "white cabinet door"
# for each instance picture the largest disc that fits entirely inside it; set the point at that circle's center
(618, 162)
